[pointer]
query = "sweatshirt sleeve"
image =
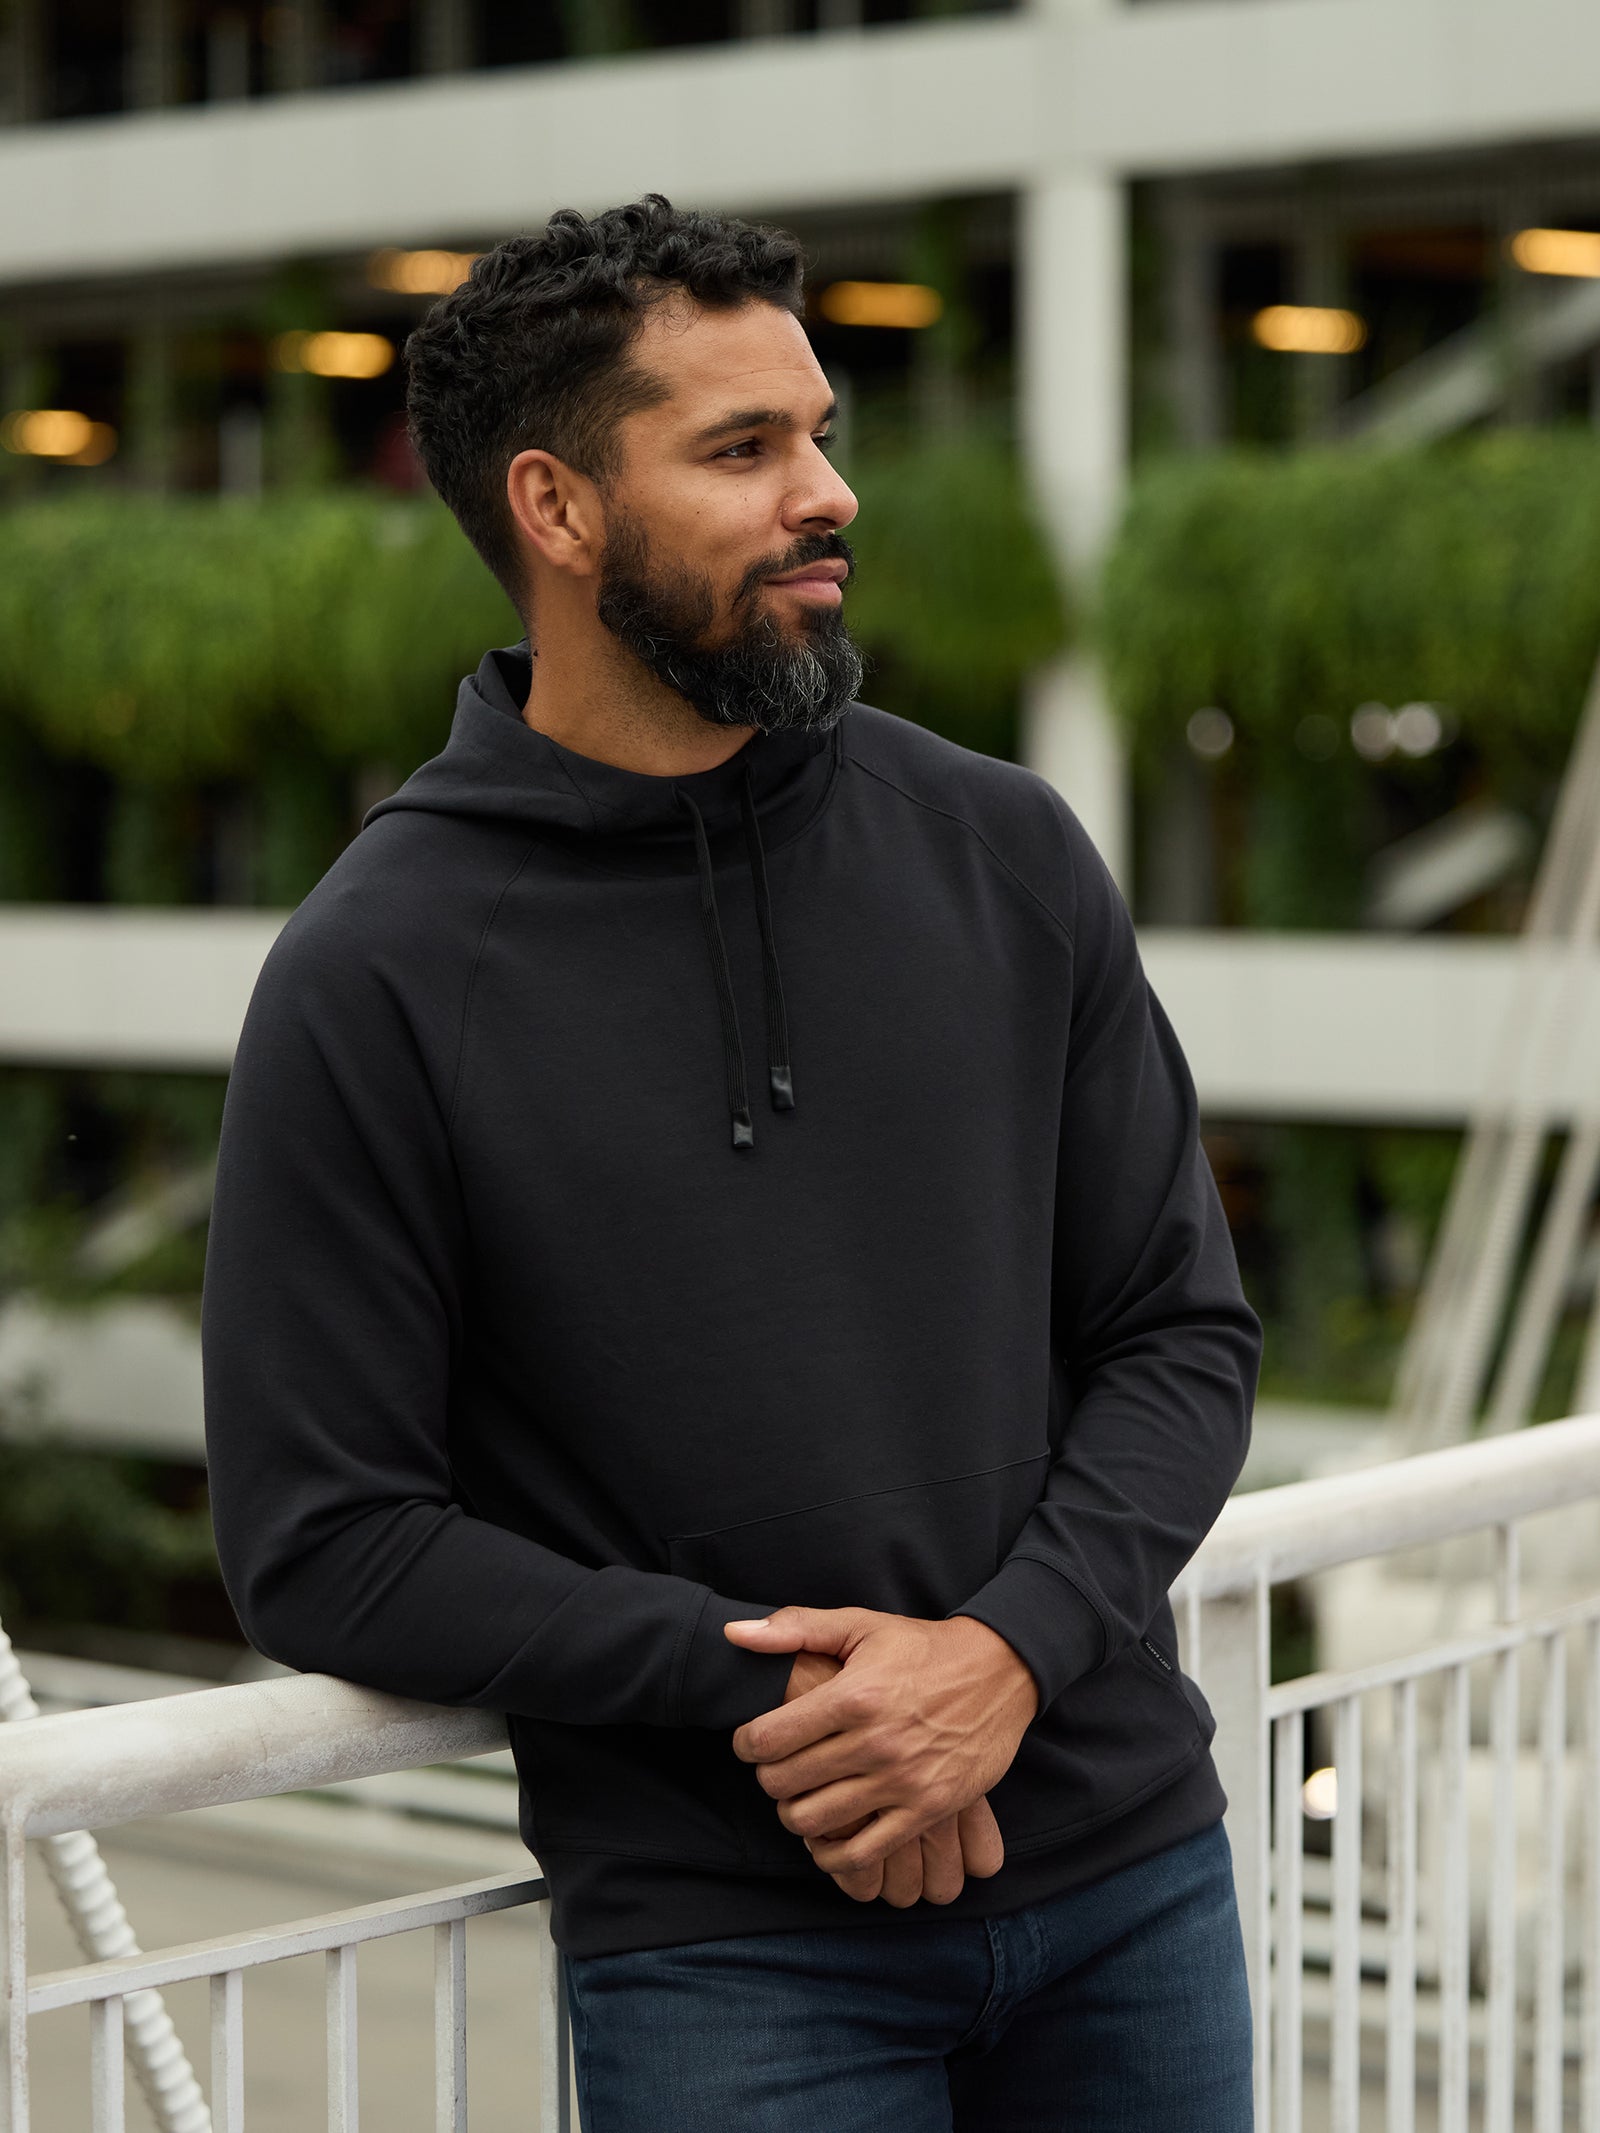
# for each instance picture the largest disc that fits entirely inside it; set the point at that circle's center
(1160, 1348)
(332, 1308)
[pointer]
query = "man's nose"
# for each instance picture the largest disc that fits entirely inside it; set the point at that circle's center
(827, 500)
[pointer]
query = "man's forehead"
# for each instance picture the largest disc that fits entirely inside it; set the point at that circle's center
(712, 361)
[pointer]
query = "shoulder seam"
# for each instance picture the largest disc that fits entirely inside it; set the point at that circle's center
(972, 829)
(472, 979)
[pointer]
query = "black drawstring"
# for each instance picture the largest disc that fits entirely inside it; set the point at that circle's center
(779, 1072)
(778, 1069)
(744, 1135)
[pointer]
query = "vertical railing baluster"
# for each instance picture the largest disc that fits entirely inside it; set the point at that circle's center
(554, 2113)
(1288, 1885)
(107, 2085)
(1189, 1623)
(1590, 2064)
(1452, 1892)
(227, 2052)
(1345, 2046)
(1235, 1638)
(14, 1975)
(1500, 2079)
(1401, 1964)
(344, 2105)
(450, 2026)
(1550, 1986)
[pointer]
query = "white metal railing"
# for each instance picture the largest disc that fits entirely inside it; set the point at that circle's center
(92, 1769)
(1518, 2027)
(1315, 1950)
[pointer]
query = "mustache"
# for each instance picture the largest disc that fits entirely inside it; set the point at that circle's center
(810, 548)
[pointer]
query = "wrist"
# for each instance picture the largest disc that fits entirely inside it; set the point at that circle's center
(1001, 1662)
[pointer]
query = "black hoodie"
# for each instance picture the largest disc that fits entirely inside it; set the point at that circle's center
(558, 1312)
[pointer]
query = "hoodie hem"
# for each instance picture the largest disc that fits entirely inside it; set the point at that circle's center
(618, 1902)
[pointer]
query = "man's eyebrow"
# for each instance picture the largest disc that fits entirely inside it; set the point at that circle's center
(759, 418)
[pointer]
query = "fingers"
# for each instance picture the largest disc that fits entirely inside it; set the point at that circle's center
(983, 1850)
(902, 1876)
(825, 1762)
(885, 1833)
(863, 1886)
(793, 1629)
(799, 1724)
(943, 1873)
(817, 1814)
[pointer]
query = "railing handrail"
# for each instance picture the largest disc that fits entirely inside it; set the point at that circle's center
(91, 1769)
(1305, 1526)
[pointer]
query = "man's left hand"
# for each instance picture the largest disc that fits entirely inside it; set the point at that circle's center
(921, 1721)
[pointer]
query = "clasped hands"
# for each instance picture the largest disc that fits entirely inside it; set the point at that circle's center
(891, 1732)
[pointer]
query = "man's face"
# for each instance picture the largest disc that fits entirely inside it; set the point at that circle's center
(724, 563)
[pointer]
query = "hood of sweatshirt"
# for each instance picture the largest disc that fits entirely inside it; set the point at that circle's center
(497, 768)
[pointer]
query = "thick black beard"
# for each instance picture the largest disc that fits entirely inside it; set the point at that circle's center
(759, 676)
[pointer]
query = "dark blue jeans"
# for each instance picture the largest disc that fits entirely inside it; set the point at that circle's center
(1119, 2008)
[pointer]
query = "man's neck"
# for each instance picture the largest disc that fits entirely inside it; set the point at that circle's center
(607, 706)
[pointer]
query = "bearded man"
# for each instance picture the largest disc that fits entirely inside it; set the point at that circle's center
(800, 1458)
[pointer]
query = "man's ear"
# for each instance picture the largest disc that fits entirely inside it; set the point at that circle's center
(557, 511)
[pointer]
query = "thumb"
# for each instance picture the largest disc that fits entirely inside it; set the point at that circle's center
(795, 1629)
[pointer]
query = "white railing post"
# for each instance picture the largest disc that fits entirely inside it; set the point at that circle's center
(1235, 1642)
(14, 1978)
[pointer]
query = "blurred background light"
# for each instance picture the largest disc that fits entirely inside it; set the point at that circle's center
(419, 273)
(58, 433)
(1319, 1796)
(1372, 732)
(1309, 329)
(1558, 252)
(334, 355)
(1418, 729)
(1210, 733)
(880, 303)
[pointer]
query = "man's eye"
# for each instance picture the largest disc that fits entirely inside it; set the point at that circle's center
(749, 445)
(826, 441)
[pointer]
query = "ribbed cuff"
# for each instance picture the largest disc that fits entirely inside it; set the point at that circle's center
(722, 1684)
(1045, 1619)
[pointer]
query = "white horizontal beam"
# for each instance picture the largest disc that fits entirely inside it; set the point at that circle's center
(1306, 1526)
(52, 1990)
(90, 1769)
(1275, 1025)
(774, 125)
(1367, 1026)
(92, 986)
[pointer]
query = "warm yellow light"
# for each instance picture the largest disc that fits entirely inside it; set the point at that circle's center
(880, 303)
(1558, 252)
(419, 273)
(334, 355)
(58, 433)
(1319, 1796)
(1309, 329)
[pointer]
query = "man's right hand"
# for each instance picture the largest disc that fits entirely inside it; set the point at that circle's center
(932, 1868)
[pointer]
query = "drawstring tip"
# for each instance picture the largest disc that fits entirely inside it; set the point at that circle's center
(782, 1088)
(744, 1133)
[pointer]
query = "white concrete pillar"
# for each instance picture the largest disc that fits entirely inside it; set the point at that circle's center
(1072, 383)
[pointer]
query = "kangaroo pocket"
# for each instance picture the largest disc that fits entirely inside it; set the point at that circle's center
(917, 1550)
(1106, 1743)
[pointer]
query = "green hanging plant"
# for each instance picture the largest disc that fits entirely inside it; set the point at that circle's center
(957, 594)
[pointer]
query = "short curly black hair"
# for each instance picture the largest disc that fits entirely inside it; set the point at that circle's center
(533, 349)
